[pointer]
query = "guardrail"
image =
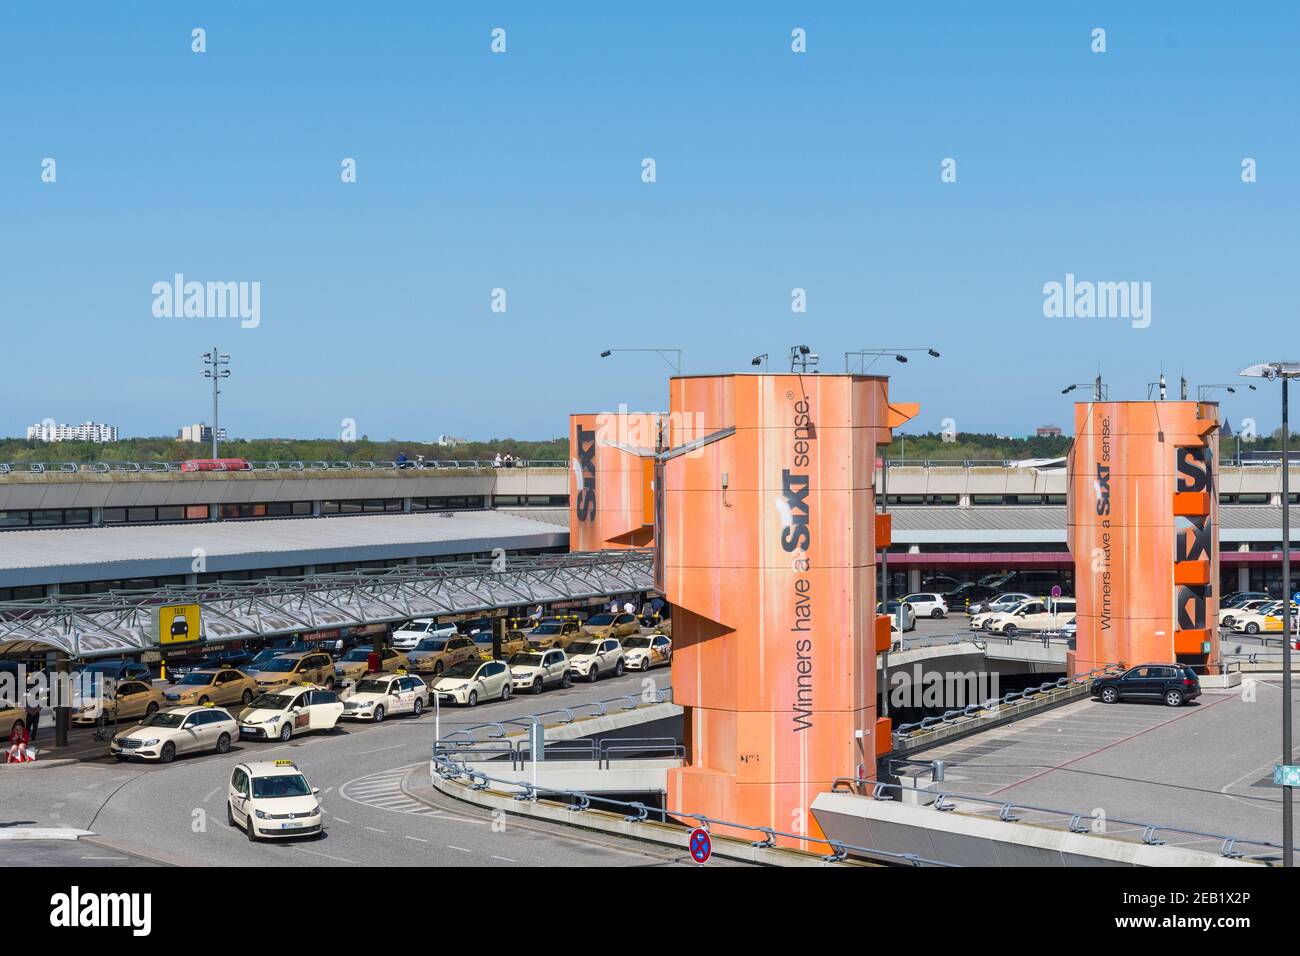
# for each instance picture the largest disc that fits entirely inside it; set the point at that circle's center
(570, 714)
(1011, 812)
(981, 639)
(152, 467)
(601, 752)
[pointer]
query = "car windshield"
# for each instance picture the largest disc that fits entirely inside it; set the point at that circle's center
(483, 637)
(264, 656)
(463, 669)
(197, 679)
(431, 644)
(372, 686)
(583, 647)
(636, 642)
(526, 660)
(601, 620)
(416, 626)
(284, 785)
(164, 718)
(547, 629)
(104, 667)
(357, 655)
(271, 702)
(279, 665)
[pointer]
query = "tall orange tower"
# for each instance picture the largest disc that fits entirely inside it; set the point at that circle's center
(1144, 532)
(767, 543)
(610, 501)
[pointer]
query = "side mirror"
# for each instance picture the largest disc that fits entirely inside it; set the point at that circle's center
(315, 791)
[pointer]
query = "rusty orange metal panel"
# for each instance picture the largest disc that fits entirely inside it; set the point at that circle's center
(884, 735)
(1192, 572)
(610, 505)
(884, 633)
(1191, 642)
(1191, 503)
(884, 531)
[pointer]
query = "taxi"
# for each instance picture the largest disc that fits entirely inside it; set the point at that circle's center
(129, 700)
(165, 733)
(381, 695)
(433, 655)
(511, 643)
(271, 798)
(11, 718)
(217, 685)
(556, 632)
(471, 681)
(355, 664)
(1265, 619)
(644, 651)
(285, 713)
(589, 659)
(534, 669)
(611, 625)
(301, 667)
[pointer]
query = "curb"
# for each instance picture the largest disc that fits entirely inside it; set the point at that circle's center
(42, 833)
(38, 764)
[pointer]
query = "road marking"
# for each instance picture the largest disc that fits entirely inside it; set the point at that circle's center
(380, 750)
(383, 791)
(417, 839)
(105, 858)
(326, 855)
(460, 848)
(341, 820)
(505, 859)
(376, 830)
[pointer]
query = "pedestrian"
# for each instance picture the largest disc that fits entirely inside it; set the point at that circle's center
(497, 462)
(613, 606)
(536, 616)
(17, 752)
(629, 608)
(33, 715)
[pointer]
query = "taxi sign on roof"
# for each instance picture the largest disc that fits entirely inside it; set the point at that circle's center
(284, 763)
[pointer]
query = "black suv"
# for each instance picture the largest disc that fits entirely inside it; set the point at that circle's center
(1174, 684)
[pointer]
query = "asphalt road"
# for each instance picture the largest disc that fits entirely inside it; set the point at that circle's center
(176, 813)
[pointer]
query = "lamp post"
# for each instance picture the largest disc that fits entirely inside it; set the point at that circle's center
(216, 360)
(760, 360)
(1285, 371)
(676, 366)
(1099, 393)
(899, 355)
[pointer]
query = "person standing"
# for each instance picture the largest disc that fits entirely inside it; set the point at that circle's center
(33, 716)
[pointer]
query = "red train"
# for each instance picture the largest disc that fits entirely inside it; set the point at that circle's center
(216, 464)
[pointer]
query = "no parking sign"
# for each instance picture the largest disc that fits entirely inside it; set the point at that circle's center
(701, 845)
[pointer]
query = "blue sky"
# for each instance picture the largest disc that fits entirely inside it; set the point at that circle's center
(522, 171)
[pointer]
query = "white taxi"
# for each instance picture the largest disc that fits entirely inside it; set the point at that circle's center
(165, 733)
(590, 659)
(471, 681)
(381, 695)
(533, 670)
(283, 714)
(644, 651)
(271, 798)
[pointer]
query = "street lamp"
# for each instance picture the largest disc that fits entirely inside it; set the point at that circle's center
(1203, 390)
(1285, 371)
(676, 366)
(1099, 391)
(760, 360)
(898, 356)
(216, 360)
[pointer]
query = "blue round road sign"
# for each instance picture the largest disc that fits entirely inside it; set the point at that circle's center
(701, 845)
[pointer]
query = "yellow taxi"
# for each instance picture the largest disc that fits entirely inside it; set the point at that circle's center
(216, 685)
(300, 667)
(611, 625)
(129, 700)
(271, 798)
(433, 655)
(556, 632)
(355, 664)
(512, 642)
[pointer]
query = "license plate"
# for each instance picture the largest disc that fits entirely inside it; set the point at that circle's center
(289, 826)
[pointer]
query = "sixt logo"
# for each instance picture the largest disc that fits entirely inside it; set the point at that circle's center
(586, 469)
(1102, 486)
(795, 535)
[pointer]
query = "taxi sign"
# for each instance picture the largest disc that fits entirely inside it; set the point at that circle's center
(1286, 775)
(701, 845)
(178, 624)
(284, 763)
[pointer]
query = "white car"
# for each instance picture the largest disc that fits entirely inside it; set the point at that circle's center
(411, 633)
(1228, 615)
(590, 659)
(1258, 620)
(272, 799)
(283, 714)
(472, 681)
(644, 651)
(166, 733)
(927, 604)
(902, 615)
(1033, 616)
(382, 695)
(1002, 602)
(533, 670)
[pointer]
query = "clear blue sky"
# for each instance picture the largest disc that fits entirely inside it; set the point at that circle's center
(523, 171)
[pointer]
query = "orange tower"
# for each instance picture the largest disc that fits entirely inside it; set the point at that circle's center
(1144, 532)
(610, 501)
(767, 542)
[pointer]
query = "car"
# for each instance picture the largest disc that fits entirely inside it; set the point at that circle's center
(999, 602)
(165, 733)
(290, 711)
(1175, 684)
(272, 799)
(611, 625)
(433, 655)
(382, 695)
(1033, 616)
(1070, 628)
(534, 670)
(511, 643)
(213, 659)
(12, 716)
(1257, 620)
(224, 685)
(303, 667)
(1228, 615)
(590, 659)
(556, 632)
(126, 700)
(902, 614)
(412, 632)
(1238, 598)
(644, 651)
(469, 682)
(963, 596)
(927, 604)
(355, 664)
(116, 669)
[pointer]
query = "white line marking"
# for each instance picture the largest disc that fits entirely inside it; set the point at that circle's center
(417, 839)
(505, 859)
(376, 830)
(460, 848)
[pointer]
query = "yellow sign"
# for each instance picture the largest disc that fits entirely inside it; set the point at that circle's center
(178, 624)
(284, 763)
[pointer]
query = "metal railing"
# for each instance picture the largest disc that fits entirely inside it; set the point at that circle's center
(600, 751)
(153, 467)
(1012, 812)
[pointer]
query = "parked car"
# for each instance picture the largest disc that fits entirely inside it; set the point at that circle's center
(224, 685)
(125, 700)
(1228, 615)
(1033, 616)
(1266, 618)
(644, 651)
(902, 614)
(283, 714)
(472, 681)
(412, 632)
(1174, 684)
(961, 597)
(164, 734)
(386, 694)
(611, 625)
(433, 655)
(590, 659)
(927, 604)
(555, 632)
(534, 670)
(1001, 602)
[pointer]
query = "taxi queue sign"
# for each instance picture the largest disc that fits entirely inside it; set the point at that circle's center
(178, 624)
(1286, 775)
(701, 845)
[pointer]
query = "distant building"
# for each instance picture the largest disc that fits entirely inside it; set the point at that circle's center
(451, 441)
(199, 433)
(1048, 431)
(86, 431)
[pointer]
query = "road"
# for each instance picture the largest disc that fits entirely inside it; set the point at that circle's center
(177, 813)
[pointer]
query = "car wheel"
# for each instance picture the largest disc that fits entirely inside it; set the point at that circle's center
(1252, 628)
(286, 731)
(251, 830)
(246, 698)
(1109, 695)
(437, 670)
(537, 685)
(223, 744)
(618, 668)
(230, 815)
(379, 714)
(567, 681)
(168, 752)
(151, 709)
(419, 707)
(1174, 698)
(1010, 630)
(472, 699)
(593, 674)
(505, 691)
